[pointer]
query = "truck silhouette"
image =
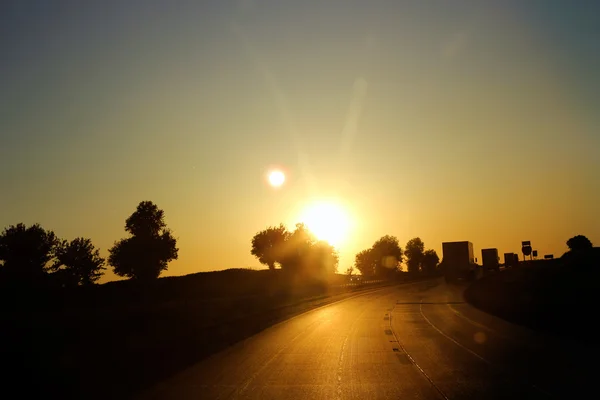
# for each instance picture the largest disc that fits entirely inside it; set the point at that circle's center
(490, 259)
(458, 261)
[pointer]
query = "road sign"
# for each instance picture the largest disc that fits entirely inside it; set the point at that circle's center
(548, 256)
(526, 243)
(526, 250)
(535, 253)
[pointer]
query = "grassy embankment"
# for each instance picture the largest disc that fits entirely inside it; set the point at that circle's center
(556, 296)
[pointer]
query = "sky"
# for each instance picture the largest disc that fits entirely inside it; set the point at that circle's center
(462, 120)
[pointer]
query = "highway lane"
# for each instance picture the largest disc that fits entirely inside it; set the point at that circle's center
(416, 341)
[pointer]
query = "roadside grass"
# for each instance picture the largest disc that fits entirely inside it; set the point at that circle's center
(558, 297)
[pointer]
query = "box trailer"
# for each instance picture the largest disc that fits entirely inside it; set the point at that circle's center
(458, 261)
(490, 259)
(511, 259)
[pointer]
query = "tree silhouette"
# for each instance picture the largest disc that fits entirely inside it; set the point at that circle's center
(382, 259)
(298, 252)
(579, 242)
(25, 253)
(414, 254)
(429, 261)
(148, 251)
(297, 249)
(268, 245)
(78, 262)
(323, 259)
(388, 254)
(365, 262)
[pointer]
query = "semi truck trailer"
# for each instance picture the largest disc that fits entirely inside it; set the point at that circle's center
(511, 260)
(490, 259)
(458, 261)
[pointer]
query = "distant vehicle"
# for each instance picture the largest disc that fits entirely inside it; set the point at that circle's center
(510, 259)
(490, 259)
(458, 261)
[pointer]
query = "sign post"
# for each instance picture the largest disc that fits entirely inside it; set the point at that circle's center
(526, 248)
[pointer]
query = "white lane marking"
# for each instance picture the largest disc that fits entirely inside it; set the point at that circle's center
(412, 360)
(254, 375)
(472, 352)
(366, 291)
(450, 338)
(340, 369)
(477, 324)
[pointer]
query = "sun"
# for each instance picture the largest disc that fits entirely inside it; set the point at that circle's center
(328, 221)
(276, 178)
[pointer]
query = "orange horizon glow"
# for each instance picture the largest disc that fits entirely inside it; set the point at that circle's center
(370, 122)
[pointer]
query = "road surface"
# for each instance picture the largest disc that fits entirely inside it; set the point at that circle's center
(413, 341)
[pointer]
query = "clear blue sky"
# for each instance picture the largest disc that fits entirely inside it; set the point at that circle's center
(462, 120)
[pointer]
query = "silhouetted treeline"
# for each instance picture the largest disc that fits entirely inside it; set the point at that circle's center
(419, 259)
(35, 258)
(384, 258)
(298, 253)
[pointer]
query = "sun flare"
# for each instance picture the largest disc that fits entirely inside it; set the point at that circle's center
(328, 221)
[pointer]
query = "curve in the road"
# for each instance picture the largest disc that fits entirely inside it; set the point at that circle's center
(412, 360)
(395, 342)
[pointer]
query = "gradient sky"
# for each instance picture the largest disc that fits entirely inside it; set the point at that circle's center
(462, 120)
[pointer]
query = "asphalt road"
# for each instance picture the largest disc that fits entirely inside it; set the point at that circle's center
(414, 341)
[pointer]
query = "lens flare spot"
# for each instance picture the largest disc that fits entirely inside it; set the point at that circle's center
(276, 178)
(390, 262)
(480, 338)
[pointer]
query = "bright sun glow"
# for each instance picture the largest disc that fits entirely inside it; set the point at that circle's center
(328, 221)
(276, 178)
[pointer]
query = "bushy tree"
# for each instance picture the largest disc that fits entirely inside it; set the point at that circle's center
(25, 253)
(297, 249)
(579, 242)
(151, 247)
(298, 252)
(414, 254)
(382, 259)
(324, 258)
(388, 254)
(429, 261)
(365, 262)
(78, 262)
(268, 245)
